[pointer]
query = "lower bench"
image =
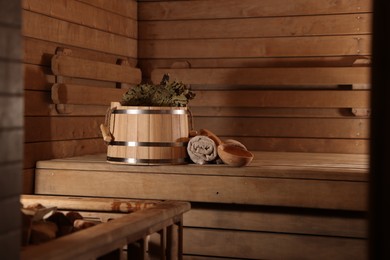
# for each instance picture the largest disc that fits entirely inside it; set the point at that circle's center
(109, 238)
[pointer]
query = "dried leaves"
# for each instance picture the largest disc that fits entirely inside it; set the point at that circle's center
(175, 94)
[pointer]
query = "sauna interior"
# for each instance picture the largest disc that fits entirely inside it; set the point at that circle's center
(290, 79)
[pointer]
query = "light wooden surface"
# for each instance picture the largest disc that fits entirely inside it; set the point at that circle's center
(104, 238)
(316, 202)
(282, 179)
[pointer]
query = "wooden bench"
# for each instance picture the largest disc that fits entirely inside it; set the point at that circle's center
(283, 205)
(130, 222)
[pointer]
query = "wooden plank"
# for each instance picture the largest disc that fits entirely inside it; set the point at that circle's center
(283, 98)
(84, 14)
(148, 65)
(269, 76)
(68, 66)
(105, 237)
(40, 52)
(123, 7)
(268, 112)
(42, 78)
(290, 26)
(320, 166)
(308, 145)
(256, 245)
(287, 127)
(37, 77)
(343, 195)
(256, 47)
(50, 29)
(85, 95)
(39, 129)
(39, 103)
(60, 149)
(89, 204)
(277, 221)
(180, 10)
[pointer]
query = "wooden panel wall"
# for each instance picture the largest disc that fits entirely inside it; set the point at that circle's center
(102, 31)
(11, 128)
(265, 34)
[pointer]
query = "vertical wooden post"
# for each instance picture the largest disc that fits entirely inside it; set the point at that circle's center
(163, 243)
(175, 241)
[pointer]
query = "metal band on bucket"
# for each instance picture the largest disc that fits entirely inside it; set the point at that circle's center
(149, 144)
(150, 112)
(151, 161)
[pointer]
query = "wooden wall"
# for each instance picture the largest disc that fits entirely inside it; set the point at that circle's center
(95, 30)
(11, 128)
(303, 34)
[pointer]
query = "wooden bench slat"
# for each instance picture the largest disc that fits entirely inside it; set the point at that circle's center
(63, 65)
(269, 76)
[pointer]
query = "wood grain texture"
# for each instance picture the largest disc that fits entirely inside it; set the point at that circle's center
(40, 52)
(307, 145)
(269, 76)
(285, 26)
(39, 129)
(286, 127)
(270, 245)
(64, 65)
(123, 7)
(60, 149)
(256, 47)
(201, 188)
(54, 30)
(277, 220)
(84, 14)
(76, 94)
(180, 10)
(283, 99)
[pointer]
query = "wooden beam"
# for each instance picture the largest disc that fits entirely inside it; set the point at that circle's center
(269, 76)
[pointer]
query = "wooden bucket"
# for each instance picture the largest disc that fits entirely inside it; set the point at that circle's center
(148, 135)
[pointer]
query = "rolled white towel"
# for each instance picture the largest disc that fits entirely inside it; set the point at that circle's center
(202, 149)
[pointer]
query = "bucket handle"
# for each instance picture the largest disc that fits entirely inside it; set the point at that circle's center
(105, 128)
